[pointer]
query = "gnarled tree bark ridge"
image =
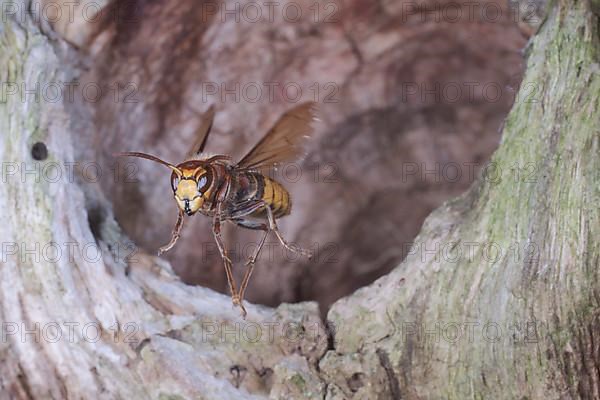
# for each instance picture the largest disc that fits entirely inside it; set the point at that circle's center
(526, 295)
(130, 329)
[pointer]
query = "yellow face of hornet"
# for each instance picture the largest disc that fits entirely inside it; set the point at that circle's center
(191, 189)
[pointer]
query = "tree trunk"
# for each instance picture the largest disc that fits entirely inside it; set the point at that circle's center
(497, 298)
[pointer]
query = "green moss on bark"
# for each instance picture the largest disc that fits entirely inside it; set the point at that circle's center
(537, 203)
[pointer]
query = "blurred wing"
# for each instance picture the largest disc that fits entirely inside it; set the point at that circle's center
(284, 141)
(202, 133)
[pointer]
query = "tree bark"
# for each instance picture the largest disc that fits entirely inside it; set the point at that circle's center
(504, 306)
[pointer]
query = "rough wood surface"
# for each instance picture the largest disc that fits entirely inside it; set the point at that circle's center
(131, 329)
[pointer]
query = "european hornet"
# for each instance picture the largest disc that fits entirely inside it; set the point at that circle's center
(238, 192)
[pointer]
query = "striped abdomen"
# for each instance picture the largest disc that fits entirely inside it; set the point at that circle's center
(277, 197)
(256, 186)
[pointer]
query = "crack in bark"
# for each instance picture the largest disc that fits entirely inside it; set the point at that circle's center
(23, 382)
(384, 360)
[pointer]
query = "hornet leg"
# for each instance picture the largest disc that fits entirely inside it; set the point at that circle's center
(175, 235)
(291, 247)
(252, 260)
(235, 298)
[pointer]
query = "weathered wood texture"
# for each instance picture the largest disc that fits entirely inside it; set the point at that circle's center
(525, 298)
(189, 343)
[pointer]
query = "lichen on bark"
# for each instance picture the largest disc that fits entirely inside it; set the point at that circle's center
(537, 203)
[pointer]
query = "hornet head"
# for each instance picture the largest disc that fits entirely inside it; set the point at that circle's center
(191, 183)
